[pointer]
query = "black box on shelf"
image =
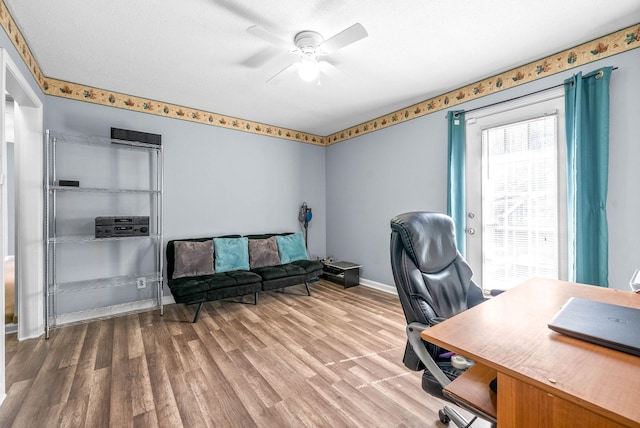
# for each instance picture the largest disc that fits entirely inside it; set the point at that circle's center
(69, 183)
(121, 226)
(142, 137)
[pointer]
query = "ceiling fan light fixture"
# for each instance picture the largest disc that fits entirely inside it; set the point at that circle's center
(309, 46)
(309, 69)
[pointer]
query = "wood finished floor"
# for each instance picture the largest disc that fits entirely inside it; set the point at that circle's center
(329, 360)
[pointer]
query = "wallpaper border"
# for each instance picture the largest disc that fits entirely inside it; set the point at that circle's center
(603, 47)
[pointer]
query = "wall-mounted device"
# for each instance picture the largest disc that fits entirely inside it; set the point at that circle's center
(117, 227)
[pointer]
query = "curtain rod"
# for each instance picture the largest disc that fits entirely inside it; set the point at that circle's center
(521, 96)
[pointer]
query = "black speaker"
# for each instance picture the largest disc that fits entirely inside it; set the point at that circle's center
(142, 137)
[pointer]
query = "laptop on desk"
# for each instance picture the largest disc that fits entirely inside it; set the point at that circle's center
(613, 326)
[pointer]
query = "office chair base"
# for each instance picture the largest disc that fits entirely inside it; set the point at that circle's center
(449, 414)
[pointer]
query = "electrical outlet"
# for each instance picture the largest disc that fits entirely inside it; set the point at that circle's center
(141, 282)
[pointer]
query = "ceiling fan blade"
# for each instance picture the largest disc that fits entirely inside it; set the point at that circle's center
(329, 69)
(344, 38)
(264, 56)
(331, 75)
(247, 13)
(267, 36)
(280, 72)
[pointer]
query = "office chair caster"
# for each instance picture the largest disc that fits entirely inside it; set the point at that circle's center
(444, 418)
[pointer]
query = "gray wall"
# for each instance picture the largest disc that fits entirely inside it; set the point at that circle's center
(373, 177)
(217, 181)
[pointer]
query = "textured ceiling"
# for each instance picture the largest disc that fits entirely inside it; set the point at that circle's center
(197, 53)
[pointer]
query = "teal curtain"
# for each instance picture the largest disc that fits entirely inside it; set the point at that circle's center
(455, 183)
(587, 128)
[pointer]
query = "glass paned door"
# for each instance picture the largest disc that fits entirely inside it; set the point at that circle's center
(515, 198)
(519, 202)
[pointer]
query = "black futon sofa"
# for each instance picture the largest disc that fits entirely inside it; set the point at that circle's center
(265, 270)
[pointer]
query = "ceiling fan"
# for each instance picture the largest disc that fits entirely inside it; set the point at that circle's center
(309, 46)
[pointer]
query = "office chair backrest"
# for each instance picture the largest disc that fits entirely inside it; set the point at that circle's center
(432, 278)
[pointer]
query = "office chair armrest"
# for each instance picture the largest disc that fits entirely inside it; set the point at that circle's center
(413, 333)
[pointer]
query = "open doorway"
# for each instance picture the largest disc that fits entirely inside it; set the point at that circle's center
(10, 283)
(28, 178)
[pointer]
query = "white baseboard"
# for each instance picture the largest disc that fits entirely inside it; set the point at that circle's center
(391, 289)
(10, 328)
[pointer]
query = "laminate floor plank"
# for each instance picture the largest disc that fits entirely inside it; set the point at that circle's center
(323, 350)
(277, 372)
(391, 409)
(332, 359)
(254, 380)
(245, 339)
(73, 344)
(220, 403)
(223, 339)
(146, 420)
(264, 331)
(13, 402)
(318, 368)
(396, 389)
(141, 393)
(340, 403)
(26, 362)
(134, 337)
(165, 349)
(315, 402)
(374, 408)
(190, 413)
(292, 328)
(282, 415)
(247, 313)
(74, 412)
(85, 370)
(254, 394)
(120, 348)
(120, 406)
(182, 349)
(98, 408)
(164, 400)
(104, 343)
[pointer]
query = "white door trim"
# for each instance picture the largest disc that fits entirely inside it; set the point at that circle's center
(29, 202)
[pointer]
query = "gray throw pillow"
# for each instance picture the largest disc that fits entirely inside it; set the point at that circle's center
(263, 252)
(193, 258)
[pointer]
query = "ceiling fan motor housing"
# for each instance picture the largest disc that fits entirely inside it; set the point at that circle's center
(307, 42)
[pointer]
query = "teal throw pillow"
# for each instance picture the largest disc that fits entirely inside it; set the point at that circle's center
(291, 248)
(231, 254)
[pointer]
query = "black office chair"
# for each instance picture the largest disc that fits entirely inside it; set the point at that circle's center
(434, 283)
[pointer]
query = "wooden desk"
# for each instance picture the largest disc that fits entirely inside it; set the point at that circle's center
(546, 379)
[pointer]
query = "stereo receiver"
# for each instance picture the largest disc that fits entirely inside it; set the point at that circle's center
(117, 227)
